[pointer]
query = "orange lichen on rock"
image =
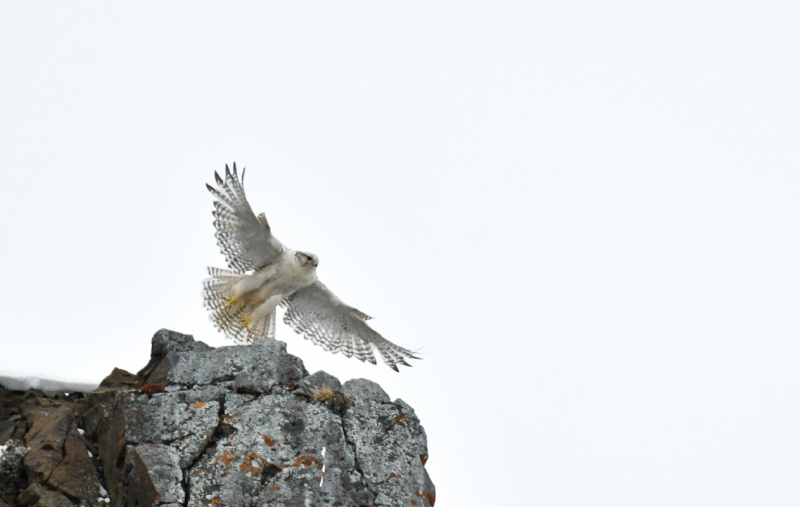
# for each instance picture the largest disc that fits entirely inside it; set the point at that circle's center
(430, 497)
(226, 457)
(248, 468)
(200, 404)
(253, 456)
(215, 501)
(268, 441)
(308, 461)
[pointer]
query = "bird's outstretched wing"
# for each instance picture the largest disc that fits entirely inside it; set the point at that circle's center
(317, 314)
(245, 240)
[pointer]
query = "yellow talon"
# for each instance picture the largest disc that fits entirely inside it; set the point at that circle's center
(232, 300)
(246, 320)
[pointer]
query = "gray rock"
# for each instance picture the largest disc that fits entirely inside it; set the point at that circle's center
(279, 450)
(390, 446)
(364, 389)
(164, 342)
(319, 380)
(232, 426)
(169, 418)
(154, 475)
(176, 359)
(325, 389)
(254, 368)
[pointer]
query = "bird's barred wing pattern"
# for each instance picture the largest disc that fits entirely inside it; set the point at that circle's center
(245, 240)
(317, 314)
(228, 318)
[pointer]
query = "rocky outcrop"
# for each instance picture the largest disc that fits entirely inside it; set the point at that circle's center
(44, 458)
(230, 426)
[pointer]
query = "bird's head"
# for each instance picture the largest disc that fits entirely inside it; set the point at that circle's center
(307, 260)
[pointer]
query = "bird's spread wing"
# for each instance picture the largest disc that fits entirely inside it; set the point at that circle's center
(317, 314)
(245, 240)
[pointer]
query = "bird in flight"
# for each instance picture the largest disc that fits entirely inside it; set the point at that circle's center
(263, 273)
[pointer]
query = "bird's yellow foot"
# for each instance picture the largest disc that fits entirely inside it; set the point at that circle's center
(232, 300)
(246, 321)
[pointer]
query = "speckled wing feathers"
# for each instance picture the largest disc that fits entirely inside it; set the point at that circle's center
(317, 314)
(244, 239)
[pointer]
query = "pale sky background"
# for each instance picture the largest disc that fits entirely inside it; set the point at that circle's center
(584, 213)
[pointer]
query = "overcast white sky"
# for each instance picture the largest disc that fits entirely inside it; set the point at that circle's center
(584, 213)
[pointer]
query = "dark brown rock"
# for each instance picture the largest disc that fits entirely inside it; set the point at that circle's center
(76, 475)
(59, 456)
(10, 414)
(39, 496)
(7, 430)
(13, 428)
(118, 379)
(49, 427)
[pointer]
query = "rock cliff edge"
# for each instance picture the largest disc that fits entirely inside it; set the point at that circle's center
(202, 426)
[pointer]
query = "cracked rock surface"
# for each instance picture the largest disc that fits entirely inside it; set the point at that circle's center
(230, 426)
(48, 461)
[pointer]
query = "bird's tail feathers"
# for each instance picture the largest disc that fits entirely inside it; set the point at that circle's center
(229, 315)
(262, 328)
(226, 314)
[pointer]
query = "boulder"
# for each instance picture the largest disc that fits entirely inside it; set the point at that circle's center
(39, 496)
(58, 455)
(244, 425)
(154, 475)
